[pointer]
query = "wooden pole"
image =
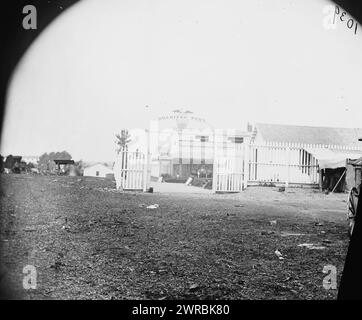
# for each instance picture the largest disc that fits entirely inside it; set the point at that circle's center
(214, 171)
(340, 178)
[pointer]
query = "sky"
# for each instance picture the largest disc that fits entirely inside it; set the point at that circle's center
(94, 70)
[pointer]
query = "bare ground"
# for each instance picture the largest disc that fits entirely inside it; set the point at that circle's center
(89, 242)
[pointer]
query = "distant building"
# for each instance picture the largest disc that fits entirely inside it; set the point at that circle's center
(184, 145)
(98, 170)
(65, 167)
(305, 154)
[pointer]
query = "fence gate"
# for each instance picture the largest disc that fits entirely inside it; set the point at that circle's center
(228, 171)
(132, 171)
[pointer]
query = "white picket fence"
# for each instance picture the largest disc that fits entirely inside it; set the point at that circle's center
(282, 163)
(287, 163)
(229, 175)
(228, 170)
(131, 171)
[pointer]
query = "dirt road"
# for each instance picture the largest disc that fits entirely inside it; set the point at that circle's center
(88, 241)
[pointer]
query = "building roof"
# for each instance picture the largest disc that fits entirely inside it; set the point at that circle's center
(308, 135)
(61, 161)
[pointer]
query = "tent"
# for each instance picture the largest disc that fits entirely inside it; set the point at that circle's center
(331, 159)
(341, 170)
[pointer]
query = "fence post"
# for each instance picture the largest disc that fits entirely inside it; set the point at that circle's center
(288, 167)
(146, 161)
(124, 167)
(246, 163)
(214, 169)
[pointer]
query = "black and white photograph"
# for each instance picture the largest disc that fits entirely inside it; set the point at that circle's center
(198, 152)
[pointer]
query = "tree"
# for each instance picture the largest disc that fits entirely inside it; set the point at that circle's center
(9, 162)
(79, 167)
(122, 140)
(64, 155)
(43, 162)
(1, 164)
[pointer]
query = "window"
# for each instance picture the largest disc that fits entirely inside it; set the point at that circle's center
(203, 138)
(236, 139)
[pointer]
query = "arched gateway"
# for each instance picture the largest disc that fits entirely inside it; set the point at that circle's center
(178, 146)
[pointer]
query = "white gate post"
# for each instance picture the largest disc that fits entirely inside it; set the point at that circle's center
(246, 162)
(288, 167)
(146, 162)
(214, 169)
(124, 168)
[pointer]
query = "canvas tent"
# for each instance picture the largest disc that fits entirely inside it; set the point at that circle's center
(332, 159)
(340, 169)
